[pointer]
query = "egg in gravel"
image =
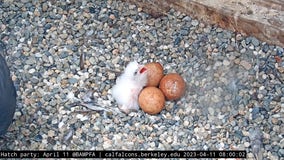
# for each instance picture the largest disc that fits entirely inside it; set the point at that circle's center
(173, 86)
(151, 100)
(155, 73)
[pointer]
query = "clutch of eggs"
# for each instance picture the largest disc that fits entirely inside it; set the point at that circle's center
(160, 88)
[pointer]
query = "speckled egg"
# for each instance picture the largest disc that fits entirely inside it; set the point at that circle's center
(155, 73)
(173, 86)
(151, 100)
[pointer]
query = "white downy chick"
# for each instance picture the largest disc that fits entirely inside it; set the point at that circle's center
(128, 87)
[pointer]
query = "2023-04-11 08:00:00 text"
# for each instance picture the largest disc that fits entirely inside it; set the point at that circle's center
(123, 154)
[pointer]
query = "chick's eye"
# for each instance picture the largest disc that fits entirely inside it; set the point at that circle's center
(135, 73)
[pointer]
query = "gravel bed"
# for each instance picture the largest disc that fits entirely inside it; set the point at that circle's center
(63, 52)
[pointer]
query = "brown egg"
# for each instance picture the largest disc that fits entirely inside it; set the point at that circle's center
(155, 73)
(173, 86)
(151, 100)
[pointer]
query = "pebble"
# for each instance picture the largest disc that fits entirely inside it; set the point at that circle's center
(194, 22)
(247, 144)
(226, 62)
(186, 123)
(234, 83)
(31, 71)
(245, 64)
(51, 133)
(115, 51)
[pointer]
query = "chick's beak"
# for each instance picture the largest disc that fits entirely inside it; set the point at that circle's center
(142, 69)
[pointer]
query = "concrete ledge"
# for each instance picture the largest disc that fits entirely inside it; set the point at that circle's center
(263, 19)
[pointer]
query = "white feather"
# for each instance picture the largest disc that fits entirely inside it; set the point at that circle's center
(128, 87)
